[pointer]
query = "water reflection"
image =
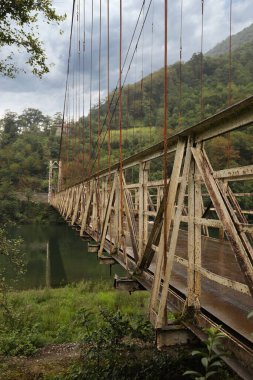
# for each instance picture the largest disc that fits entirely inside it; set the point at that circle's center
(56, 256)
(48, 268)
(55, 267)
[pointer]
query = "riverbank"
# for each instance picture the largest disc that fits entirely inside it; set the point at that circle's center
(85, 331)
(20, 211)
(53, 316)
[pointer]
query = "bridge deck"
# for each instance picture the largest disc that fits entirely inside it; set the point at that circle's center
(194, 272)
(225, 304)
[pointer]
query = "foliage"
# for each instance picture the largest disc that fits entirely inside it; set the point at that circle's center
(13, 210)
(10, 255)
(143, 113)
(63, 315)
(210, 360)
(18, 342)
(239, 39)
(120, 348)
(19, 24)
(27, 141)
(115, 337)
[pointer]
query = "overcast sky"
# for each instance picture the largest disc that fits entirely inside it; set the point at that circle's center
(47, 94)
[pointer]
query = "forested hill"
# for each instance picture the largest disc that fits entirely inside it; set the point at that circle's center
(29, 140)
(243, 37)
(143, 101)
(143, 110)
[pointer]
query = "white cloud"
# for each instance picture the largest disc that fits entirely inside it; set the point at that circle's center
(48, 94)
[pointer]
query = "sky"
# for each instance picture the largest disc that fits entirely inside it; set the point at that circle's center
(47, 94)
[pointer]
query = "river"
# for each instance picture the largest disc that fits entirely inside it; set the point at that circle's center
(54, 256)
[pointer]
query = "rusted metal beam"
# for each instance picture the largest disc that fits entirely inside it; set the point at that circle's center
(241, 253)
(168, 214)
(236, 116)
(143, 213)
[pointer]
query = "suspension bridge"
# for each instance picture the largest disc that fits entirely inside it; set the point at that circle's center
(178, 222)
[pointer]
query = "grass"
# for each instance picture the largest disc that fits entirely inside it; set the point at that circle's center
(52, 315)
(116, 340)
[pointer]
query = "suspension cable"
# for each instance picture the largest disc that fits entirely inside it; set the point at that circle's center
(125, 78)
(75, 73)
(72, 130)
(91, 73)
(120, 128)
(79, 80)
(108, 88)
(142, 63)
(230, 56)
(124, 63)
(165, 147)
(201, 63)
(67, 79)
(99, 84)
(151, 73)
(83, 84)
(229, 146)
(180, 67)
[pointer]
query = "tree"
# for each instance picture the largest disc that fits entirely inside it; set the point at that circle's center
(9, 128)
(33, 120)
(19, 30)
(12, 259)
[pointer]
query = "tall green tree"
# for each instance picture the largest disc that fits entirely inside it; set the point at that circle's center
(19, 31)
(10, 129)
(33, 120)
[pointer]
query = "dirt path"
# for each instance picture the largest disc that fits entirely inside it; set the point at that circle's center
(50, 360)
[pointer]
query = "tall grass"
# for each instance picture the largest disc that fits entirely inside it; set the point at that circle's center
(52, 315)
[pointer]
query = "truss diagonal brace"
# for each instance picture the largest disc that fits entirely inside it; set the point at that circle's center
(107, 217)
(241, 253)
(154, 238)
(87, 207)
(77, 205)
(130, 221)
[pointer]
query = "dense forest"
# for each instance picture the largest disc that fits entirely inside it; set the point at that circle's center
(88, 330)
(143, 110)
(29, 140)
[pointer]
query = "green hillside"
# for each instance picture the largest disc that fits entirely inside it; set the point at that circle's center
(35, 141)
(243, 37)
(143, 106)
(27, 142)
(143, 101)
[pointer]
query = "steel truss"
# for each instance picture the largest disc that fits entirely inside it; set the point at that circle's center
(139, 245)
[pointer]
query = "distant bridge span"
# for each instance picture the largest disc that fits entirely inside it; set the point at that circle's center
(190, 245)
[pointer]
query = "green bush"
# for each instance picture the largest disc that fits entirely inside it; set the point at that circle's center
(19, 342)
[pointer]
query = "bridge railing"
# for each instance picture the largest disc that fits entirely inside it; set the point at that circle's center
(194, 234)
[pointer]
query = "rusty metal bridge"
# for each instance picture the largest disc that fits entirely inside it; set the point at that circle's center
(211, 274)
(185, 234)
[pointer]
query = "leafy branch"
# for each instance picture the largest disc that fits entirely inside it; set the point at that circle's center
(210, 361)
(19, 30)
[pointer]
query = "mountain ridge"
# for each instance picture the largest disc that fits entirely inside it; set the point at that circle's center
(243, 37)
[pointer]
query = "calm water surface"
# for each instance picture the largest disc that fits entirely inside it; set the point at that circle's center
(56, 256)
